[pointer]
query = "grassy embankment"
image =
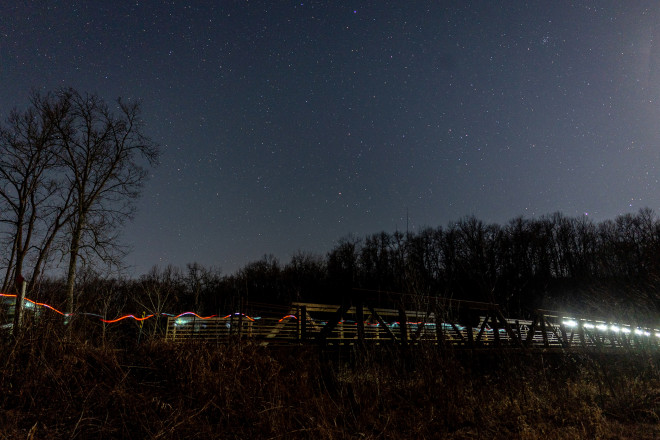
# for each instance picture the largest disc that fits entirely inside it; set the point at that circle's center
(53, 387)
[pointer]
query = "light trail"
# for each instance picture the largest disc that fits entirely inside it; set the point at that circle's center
(288, 317)
(238, 314)
(121, 318)
(47, 306)
(111, 321)
(572, 323)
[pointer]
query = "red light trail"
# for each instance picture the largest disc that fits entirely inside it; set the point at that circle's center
(121, 318)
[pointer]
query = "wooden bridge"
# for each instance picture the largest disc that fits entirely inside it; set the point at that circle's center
(412, 321)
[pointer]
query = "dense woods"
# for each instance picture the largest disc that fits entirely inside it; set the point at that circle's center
(608, 269)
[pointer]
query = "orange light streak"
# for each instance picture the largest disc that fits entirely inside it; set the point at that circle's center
(11, 295)
(288, 316)
(48, 306)
(110, 321)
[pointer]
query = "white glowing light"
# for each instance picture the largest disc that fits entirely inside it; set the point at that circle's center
(570, 323)
(657, 334)
(625, 330)
(646, 333)
(601, 327)
(588, 325)
(615, 328)
(639, 331)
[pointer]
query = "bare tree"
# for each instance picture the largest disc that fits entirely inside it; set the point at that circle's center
(159, 289)
(28, 182)
(103, 155)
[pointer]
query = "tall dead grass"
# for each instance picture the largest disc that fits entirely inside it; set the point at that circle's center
(52, 386)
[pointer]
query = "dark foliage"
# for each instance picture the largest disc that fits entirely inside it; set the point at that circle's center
(54, 387)
(609, 270)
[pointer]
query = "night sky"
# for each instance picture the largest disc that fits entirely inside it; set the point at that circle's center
(286, 126)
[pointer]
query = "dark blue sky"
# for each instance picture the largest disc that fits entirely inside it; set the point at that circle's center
(288, 125)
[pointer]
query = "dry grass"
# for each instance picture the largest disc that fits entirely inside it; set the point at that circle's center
(55, 387)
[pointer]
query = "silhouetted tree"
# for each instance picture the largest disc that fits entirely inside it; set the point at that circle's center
(260, 281)
(30, 210)
(343, 266)
(102, 152)
(305, 276)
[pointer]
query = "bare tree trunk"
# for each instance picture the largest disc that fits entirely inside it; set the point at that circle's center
(59, 221)
(41, 259)
(18, 308)
(10, 266)
(24, 243)
(18, 247)
(73, 259)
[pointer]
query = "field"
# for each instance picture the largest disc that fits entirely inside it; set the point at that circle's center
(56, 385)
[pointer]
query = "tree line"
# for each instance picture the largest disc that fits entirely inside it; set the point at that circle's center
(606, 269)
(71, 166)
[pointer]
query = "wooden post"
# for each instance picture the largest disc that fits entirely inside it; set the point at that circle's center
(439, 331)
(298, 327)
(303, 322)
(18, 308)
(359, 317)
(403, 328)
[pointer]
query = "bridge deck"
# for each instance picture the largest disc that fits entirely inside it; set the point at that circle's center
(360, 323)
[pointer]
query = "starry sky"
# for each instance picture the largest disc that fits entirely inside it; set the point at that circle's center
(286, 126)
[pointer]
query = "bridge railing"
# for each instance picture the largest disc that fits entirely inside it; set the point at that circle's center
(361, 323)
